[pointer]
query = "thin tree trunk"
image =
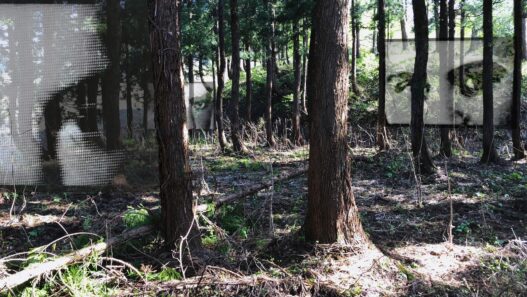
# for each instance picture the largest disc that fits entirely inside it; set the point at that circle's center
(332, 214)
(305, 38)
(218, 110)
(297, 65)
(420, 151)
(517, 146)
(111, 86)
(462, 46)
(270, 80)
(382, 135)
(248, 84)
(177, 215)
(374, 34)
(357, 38)
(444, 88)
(404, 34)
(202, 74)
(436, 18)
(236, 136)
(489, 151)
(129, 107)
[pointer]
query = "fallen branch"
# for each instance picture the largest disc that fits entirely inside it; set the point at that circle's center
(40, 269)
(257, 188)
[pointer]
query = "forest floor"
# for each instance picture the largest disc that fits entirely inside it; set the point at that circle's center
(255, 246)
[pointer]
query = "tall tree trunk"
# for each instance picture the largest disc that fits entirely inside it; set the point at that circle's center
(382, 134)
(218, 110)
(524, 36)
(111, 86)
(421, 155)
(177, 214)
(436, 18)
(332, 215)
(357, 37)
(462, 46)
(517, 146)
(129, 107)
(404, 34)
(248, 84)
(305, 46)
(91, 114)
(270, 80)
(236, 136)
(354, 86)
(297, 65)
(489, 151)
(374, 33)
(146, 102)
(444, 88)
(202, 75)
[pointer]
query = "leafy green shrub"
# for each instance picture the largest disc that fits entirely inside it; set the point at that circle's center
(134, 218)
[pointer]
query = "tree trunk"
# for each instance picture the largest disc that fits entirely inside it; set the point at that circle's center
(524, 36)
(91, 114)
(218, 110)
(444, 88)
(236, 136)
(462, 46)
(202, 75)
(421, 155)
(297, 64)
(382, 135)
(357, 38)
(374, 34)
(177, 215)
(129, 107)
(489, 151)
(111, 86)
(332, 215)
(354, 86)
(517, 146)
(436, 18)
(248, 84)
(305, 38)
(270, 76)
(404, 34)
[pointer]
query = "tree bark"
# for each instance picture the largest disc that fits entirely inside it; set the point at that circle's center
(269, 85)
(489, 151)
(404, 33)
(129, 107)
(421, 155)
(524, 37)
(332, 215)
(382, 135)
(462, 46)
(177, 215)
(305, 38)
(236, 136)
(248, 84)
(354, 86)
(218, 110)
(297, 64)
(517, 146)
(111, 86)
(444, 88)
